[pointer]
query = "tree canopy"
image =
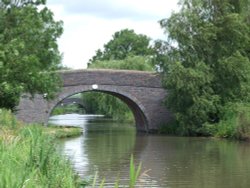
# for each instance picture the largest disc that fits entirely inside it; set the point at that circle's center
(124, 43)
(28, 50)
(207, 63)
(141, 63)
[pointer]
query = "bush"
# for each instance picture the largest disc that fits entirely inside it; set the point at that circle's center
(235, 122)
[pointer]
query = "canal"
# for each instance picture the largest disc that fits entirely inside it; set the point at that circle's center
(167, 162)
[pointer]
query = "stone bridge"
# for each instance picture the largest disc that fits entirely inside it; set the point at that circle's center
(141, 91)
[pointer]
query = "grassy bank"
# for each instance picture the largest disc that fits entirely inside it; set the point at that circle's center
(28, 157)
(234, 123)
(62, 132)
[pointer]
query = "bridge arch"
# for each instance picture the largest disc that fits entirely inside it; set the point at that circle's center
(137, 108)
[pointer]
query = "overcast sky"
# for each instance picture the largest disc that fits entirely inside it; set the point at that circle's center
(89, 24)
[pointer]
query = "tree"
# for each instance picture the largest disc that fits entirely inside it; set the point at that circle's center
(123, 44)
(207, 60)
(28, 50)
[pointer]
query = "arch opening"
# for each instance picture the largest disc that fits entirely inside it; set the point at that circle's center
(70, 104)
(133, 104)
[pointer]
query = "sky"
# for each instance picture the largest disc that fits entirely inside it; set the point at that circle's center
(89, 24)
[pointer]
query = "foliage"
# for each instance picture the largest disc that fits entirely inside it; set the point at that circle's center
(108, 105)
(67, 109)
(62, 131)
(235, 122)
(7, 120)
(28, 50)
(28, 158)
(171, 128)
(134, 173)
(190, 98)
(30, 153)
(207, 63)
(123, 44)
(141, 63)
(159, 57)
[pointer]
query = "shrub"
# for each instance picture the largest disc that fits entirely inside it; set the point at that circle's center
(235, 122)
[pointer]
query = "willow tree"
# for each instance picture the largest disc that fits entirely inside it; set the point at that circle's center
(207, 63)
(28, 50)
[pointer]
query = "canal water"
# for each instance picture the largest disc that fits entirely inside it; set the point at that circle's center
(167, 162)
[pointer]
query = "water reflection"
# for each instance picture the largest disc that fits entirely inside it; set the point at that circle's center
(167, 161)
(196, 162)
(73, 149)
(74, 119)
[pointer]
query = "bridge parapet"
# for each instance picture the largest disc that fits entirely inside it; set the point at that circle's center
(111, 77)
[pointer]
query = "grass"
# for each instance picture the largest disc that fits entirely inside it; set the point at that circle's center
(62, 132)
(28, 157)
(134, 173)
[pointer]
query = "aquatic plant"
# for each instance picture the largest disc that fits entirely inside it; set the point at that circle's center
(133, 174)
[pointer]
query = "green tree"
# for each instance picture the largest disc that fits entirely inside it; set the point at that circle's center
(28, 50)
(207, 60)
(108, 105)
(123, 44)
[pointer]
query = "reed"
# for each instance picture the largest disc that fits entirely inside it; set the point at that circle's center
(28, 158)
(133, 174)
(7, 120)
